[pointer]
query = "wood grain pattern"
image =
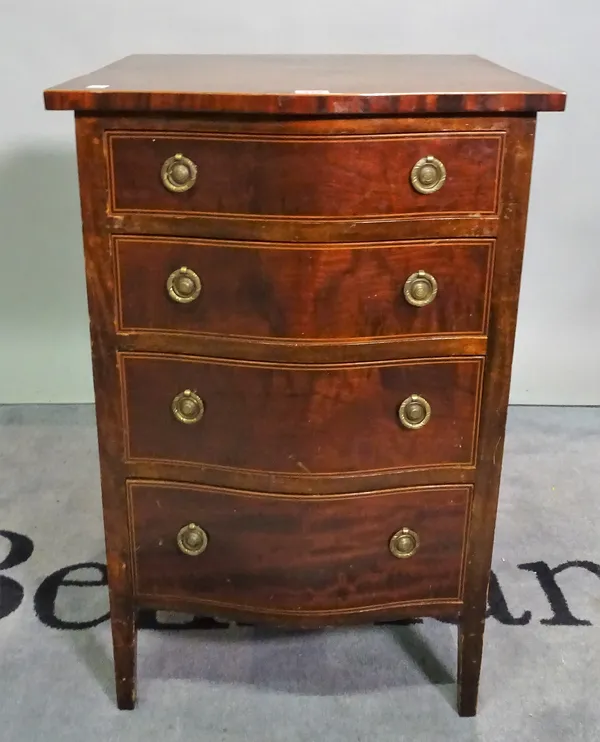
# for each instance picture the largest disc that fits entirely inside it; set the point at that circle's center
(100, 288)
(505, 295)
(301, 412)
(282, 291)
(300, 482)
(445, 609)
(297, 351)
(311, 420)
(356, 229)
(298, 229)
(292, 556)
(306, 176)
(364, 84)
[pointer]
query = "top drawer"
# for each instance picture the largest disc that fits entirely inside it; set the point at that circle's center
(249, 175)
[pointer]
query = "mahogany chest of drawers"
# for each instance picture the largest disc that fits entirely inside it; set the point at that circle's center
(303, 276)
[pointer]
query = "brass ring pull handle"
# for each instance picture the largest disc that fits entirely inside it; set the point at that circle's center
(428, 175)
(420, 289)
(184, 285)
(178, 173)
(414, 412)
(404, 543)
(192, 540)
(187, 407)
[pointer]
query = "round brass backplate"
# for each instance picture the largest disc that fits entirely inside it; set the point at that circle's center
(414, 412)
(184, 285)
(192, 540)
(428, 175)
(178, 173)
(404, 543)
(420, 289)
(187, 407)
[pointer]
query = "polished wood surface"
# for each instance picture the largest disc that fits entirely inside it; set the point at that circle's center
(303, 229)
(295, 556)
(310, 176)
(361, 84)
(298, 483)
(310, 420)
(323, 229)
(99, 282)
(447, 610)
(299, 351)
(505, 298)
(287, 291)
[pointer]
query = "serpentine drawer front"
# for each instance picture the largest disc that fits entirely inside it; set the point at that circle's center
(301, 419)
(274, 175)
(349, 292)
(299, 555)
(302, 311)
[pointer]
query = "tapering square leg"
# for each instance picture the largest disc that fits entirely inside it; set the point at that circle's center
(124, 634)
(470, 650)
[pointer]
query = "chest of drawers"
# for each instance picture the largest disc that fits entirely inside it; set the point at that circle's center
(303, 275)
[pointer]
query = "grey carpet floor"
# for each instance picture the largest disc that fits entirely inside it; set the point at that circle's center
(541, 670)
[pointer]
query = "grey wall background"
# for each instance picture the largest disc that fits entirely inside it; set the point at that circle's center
(44, 348)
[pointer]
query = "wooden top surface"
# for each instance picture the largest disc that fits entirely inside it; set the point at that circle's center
(312, 84)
